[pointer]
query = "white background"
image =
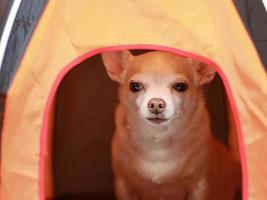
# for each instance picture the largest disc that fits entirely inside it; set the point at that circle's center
(265, 4)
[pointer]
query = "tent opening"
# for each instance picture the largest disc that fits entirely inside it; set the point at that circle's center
(82, 124)
(84, 111)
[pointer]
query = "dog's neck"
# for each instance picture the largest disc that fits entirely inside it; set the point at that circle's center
(172, 147)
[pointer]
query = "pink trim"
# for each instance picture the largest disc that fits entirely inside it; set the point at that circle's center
(76, 61)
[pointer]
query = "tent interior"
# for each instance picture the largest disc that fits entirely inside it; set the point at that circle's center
(84, 124)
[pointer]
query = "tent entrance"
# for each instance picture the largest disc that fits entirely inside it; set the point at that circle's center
(83, 129)
(83, 123)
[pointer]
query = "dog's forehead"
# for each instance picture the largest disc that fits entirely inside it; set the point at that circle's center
(160, 64)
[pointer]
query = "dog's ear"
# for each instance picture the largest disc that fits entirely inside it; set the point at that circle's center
(115, 63)
(204, 72)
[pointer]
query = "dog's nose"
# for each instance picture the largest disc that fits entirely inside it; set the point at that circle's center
(156, 105)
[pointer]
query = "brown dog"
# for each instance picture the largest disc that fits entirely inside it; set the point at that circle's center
(163, 148)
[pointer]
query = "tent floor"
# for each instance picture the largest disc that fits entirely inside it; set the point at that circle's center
(91, 196)
(98, 196)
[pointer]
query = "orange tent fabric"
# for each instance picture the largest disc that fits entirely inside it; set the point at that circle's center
(70, 31)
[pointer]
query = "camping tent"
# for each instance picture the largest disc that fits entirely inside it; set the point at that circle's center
(55, 92)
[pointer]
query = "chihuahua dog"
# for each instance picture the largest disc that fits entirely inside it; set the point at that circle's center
(163, 148)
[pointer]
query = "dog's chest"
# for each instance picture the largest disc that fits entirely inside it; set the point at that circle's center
(157, 166)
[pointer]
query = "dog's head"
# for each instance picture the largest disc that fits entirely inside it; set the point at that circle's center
(158, 87)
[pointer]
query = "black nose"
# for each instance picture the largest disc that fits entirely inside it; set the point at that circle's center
(156, 105)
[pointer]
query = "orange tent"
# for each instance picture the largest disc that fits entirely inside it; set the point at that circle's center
(70, 32)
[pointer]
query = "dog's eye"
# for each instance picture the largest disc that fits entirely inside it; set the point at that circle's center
(180, 87)
(135, 86)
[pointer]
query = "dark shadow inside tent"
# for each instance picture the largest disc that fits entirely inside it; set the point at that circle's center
(84, 124)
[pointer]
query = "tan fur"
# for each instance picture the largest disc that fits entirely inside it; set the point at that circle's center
(177, 160)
